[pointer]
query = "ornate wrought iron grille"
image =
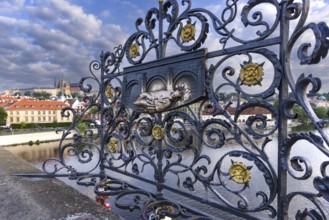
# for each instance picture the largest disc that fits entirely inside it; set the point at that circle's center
(170, 145)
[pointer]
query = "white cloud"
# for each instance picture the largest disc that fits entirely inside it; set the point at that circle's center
(11, 6)
(46, 38)
(106, 13)
(67, 17)
(319, 11)
(216, 9)
(53, 37)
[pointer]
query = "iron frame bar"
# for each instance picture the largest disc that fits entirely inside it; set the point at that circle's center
(126, 127)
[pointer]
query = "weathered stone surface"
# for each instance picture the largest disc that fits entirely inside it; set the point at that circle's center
(41, 198)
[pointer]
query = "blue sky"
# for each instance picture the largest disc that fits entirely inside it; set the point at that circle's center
(43, 39)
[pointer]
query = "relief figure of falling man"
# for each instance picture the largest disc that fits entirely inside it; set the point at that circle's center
(158, 101)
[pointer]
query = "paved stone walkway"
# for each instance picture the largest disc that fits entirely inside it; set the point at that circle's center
(41, 198)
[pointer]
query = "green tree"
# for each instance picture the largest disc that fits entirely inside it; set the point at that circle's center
(23, 125)
(93, 111)
(43, 95)
(325, 95)
(276, 103)
(302, 116)
(17, 94)
(75, 95)
(27, 93)
(321, 112)
(3, 116)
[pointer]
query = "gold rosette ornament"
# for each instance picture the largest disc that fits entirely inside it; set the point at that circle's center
(157, 132)
(251, 74)
(113, 145)
(134, 51)
(239, 173)
(188, 32)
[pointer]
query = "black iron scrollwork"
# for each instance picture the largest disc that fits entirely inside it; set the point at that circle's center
(215, 150)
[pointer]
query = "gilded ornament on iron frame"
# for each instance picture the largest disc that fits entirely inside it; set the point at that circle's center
(109, 92)
(157, 132)
(113, 145)
(188, 32)
(239, 173)
(134, 50)
(251, 74)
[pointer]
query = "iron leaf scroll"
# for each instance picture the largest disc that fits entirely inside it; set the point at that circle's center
(170, 143)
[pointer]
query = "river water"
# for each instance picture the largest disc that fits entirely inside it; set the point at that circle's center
(36, 154)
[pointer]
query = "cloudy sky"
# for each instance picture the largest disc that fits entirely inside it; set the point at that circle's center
(43, 39)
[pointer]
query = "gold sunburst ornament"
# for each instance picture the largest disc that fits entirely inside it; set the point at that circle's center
(239, 173)
(113, 145)
(157, 132)
(109, 92)
(188, 32)
(134, 51)
(251, 74)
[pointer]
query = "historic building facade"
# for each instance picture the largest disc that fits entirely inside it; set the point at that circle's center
(36, 111)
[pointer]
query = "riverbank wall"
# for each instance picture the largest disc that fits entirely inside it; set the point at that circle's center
(37, 137)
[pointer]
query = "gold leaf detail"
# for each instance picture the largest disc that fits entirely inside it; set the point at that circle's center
(188, 33)
(239, 173)
(134, 50)
(157, 132)
(251, 74)
(113, 145)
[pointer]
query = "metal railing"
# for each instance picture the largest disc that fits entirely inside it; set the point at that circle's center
(168, 131)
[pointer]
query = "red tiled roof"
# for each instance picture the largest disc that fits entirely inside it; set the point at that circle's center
(7, 100)
(256, 110)
(70, 101)
(75, 89)
(25, 104)
(4, 104)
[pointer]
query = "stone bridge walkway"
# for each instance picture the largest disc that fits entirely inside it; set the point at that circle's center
(41, 198)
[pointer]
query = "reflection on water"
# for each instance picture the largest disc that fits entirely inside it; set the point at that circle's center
(38, 154)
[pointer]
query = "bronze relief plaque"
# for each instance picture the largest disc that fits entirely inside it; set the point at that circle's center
(165, 84)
